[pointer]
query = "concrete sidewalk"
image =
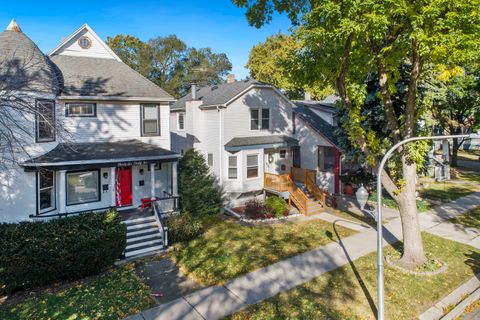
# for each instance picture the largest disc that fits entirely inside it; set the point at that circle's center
(219, 301)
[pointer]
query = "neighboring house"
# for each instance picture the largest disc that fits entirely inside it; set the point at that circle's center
(315, 126)
(117, 149)
(245, 131)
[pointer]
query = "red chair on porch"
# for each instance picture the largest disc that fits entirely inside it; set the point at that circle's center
(147, 202)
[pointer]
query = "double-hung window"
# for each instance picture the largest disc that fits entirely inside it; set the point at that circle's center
(232, 167)
(252, 166)
(181, 120)
(45, 121)
(46, 190)
(326, 158)
(77, 109)
(83, 187)
(259, 119)
(150, 115)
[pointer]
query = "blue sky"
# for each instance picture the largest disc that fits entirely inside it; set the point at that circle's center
(210, 23)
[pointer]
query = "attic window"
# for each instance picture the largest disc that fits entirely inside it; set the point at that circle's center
(85, 42)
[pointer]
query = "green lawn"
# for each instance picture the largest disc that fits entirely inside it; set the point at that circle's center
(350, 292)
(112, 295)
(469, 219)
(228, 249)
(387, 201)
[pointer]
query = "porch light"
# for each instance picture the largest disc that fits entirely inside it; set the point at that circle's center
(362, 196)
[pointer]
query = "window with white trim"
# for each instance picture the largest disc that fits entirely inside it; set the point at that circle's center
(80, 109)
(83, 187)
(150, 116)
(45, 121)
(210, 159)
(232, 167)
(252, 166)
(260, 119)
(46, 190)
(283, 154)
(181, 120)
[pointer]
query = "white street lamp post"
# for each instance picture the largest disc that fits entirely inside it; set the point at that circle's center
(380, 285)
(362, 196)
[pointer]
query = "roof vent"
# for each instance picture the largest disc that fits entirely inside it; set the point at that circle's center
(13, 26)
(214, 88)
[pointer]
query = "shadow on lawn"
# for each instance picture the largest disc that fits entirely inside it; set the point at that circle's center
(359, 278)
(473, 261)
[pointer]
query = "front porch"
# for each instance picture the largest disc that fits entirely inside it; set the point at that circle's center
(300, 187)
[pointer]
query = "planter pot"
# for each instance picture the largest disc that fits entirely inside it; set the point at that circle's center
(348, 189)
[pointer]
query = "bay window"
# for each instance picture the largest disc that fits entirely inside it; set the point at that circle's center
(252, 166)
(46, 190)
(232, 167)
(83, 187)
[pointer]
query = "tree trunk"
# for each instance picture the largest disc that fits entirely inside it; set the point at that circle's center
(413, 253)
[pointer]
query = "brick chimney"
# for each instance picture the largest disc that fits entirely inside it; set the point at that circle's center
(230, 78)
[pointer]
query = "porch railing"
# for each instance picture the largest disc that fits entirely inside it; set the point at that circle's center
(276, 182)
(297, 196)
(161, 223)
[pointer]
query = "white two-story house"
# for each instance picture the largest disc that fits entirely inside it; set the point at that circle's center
(245, 130)
(111, 145)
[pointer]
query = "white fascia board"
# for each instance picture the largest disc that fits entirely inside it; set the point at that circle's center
(100, 161)
(117, 98)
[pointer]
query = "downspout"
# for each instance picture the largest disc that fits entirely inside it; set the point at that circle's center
(220, 145)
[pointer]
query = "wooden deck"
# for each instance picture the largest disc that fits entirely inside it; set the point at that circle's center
(309, 198)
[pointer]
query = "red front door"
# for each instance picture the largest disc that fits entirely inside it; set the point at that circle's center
(124, 187)
(336, 172)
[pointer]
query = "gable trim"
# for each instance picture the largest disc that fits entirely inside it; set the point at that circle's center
(94, 34)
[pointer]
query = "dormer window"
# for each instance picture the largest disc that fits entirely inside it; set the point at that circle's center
(85, 42)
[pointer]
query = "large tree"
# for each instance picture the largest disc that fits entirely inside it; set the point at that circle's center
(455, 102)
(346, 42)
(170, 63)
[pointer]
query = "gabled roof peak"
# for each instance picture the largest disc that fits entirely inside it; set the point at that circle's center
(13, 26)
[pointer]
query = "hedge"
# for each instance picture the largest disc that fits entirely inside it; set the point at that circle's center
(40, 253)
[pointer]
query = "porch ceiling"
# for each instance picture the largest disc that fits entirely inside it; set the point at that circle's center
(111, 153)
(260, 142)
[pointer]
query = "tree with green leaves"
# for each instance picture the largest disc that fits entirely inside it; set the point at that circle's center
(170, 63)
(455, 105)
(346, 42)
(199, 192)
(273, 61)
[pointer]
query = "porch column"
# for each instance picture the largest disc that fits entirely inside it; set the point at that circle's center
(113, 191)
(62, 195)
(152, 181)
(174, 178)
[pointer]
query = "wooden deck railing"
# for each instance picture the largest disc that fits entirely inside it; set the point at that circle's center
(297, 196)
(276, 182)
(287, 182)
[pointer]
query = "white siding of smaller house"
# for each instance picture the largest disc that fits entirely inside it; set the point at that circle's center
(181, 140)
(309, 140)
(237, 114)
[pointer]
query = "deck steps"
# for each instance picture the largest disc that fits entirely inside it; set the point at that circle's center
(143, 236)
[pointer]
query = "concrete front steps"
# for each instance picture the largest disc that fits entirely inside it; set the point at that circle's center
(144, 237)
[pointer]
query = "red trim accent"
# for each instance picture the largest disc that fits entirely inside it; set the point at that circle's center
(124, 187)
(336, 172)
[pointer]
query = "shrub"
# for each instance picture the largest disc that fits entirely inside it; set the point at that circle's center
(199, 192)
(40, 253)
(183, 227)
(276, 206)
(254, 209)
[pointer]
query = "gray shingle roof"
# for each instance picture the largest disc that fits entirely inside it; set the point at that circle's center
(86, 76)
(23, 66)
(100, 152)
(317, 122)
(218, 94)
(262, 140)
